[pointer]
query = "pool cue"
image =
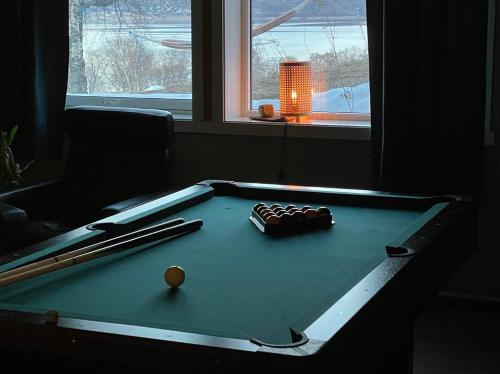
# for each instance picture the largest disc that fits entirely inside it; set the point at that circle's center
(79, 251)
(162, 234)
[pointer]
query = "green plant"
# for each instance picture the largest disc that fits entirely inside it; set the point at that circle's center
(10, 171)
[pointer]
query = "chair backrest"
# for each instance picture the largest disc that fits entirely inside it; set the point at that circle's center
(114, 154)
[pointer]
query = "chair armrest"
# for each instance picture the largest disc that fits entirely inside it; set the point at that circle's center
(13, 228)
(124, 205)
(31, 192)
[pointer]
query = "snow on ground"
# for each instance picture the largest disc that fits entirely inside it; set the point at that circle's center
(340, 100)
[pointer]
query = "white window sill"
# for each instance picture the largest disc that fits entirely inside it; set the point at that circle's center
(178, 105)
(323, 129)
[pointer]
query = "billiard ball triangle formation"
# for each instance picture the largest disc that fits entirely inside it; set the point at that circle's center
(279, 220)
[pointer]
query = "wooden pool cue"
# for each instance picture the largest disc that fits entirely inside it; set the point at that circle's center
(161, 234)
(79, 251)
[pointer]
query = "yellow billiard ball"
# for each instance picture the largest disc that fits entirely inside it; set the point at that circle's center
(174, 276)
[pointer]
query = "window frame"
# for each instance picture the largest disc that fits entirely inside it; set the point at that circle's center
(242, 92)
(178, 107)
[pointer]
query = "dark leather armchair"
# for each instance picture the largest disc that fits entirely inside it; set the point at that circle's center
(117, 158)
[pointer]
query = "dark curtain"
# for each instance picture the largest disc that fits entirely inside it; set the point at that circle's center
(427, 61)
(33, 74)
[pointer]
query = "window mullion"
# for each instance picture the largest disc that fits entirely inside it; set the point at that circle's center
(216, 49)
(198, 22)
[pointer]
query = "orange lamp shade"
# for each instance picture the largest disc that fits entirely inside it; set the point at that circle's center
(295, 88)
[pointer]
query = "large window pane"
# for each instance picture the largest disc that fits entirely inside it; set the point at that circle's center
(130, 47)
(331, 34)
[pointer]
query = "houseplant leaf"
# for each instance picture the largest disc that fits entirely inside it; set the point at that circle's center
(12, 134)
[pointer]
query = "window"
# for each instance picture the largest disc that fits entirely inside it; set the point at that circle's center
(331, 34)
(131, 53)
(144, 53)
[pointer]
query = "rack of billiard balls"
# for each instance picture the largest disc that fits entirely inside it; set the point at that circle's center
(278, 220)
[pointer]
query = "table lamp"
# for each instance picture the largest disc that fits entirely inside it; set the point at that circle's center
(295, 88)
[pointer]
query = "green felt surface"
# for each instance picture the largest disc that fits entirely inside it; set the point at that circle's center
(239, 282)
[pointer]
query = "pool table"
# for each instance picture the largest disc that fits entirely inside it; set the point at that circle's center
(344, 297)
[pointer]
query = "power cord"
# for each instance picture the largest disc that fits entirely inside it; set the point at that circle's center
(281, 172)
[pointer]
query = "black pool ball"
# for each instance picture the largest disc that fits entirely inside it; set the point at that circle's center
(323, 211)
(298, 215)
(175, 276)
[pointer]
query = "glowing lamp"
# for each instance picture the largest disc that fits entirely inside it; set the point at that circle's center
(295, 89)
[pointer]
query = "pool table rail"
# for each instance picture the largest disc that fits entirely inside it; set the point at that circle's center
(328, 195)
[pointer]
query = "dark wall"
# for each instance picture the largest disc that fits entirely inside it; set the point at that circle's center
(196, 157)
(336, 163)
